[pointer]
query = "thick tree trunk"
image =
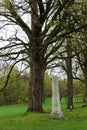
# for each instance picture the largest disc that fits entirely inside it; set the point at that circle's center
(69, 77)
(37, 65)
(36, 87)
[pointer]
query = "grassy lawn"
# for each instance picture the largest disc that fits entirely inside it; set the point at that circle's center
(13, 117)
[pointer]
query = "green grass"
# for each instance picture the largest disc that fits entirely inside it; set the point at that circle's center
(13, 117)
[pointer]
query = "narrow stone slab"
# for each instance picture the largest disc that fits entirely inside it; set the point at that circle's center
(56, 107)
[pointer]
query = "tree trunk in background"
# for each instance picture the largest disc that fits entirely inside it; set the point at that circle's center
(85, 74)
(86, 87)
(85, 62)
(69, 76)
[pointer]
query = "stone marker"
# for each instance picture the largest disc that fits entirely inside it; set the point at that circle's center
(56, 107)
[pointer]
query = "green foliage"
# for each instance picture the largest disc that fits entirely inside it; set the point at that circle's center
(7, 2)
(79, 88)
(47, 86)
(62, 87)
(16, 90)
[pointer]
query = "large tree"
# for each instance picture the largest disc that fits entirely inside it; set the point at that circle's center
(82, 59)
(35, 30)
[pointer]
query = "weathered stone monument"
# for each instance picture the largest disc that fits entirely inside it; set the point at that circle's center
(56, 107)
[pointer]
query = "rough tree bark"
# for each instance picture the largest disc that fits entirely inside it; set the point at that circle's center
(36, 86)
(85, 72)
(69, 76)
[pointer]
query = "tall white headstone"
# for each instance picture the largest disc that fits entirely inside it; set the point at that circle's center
(56, 107)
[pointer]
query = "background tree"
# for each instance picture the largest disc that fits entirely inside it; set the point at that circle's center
(82, 59)
(81, 42)
(69, 75)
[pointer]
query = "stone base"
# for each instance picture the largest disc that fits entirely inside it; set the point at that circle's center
(57, 115)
